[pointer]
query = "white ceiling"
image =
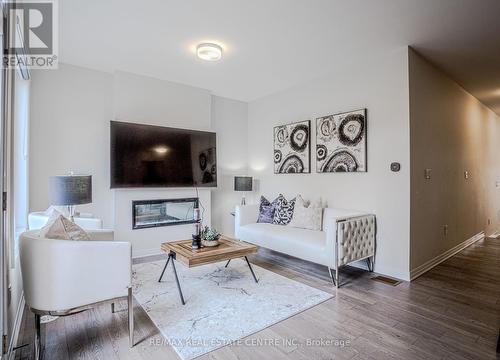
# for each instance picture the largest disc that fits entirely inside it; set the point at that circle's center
(271, 45)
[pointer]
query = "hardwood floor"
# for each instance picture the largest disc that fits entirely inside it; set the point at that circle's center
(451, 312)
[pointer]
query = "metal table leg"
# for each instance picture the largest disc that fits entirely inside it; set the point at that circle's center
(250, 266)
(163, 272)
(171, 255)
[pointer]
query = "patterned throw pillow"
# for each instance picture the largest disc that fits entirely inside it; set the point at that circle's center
(307, 216)
(284, 211)
(266, 210)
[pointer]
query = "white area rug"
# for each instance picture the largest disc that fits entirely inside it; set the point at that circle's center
(222, 304)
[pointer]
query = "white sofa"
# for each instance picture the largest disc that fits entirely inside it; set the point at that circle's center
(347, 236)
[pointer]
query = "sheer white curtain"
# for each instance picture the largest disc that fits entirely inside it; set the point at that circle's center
(20, 160)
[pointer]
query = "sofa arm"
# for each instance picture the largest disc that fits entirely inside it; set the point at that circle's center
(355, 233)
(245, 214)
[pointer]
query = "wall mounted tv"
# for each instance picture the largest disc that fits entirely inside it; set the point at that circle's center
(156, 156)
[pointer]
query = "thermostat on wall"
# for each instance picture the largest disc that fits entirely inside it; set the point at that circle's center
(395, 166)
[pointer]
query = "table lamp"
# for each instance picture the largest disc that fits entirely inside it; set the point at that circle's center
(70, 190)
(243, 183)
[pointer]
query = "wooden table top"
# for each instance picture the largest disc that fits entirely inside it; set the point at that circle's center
(228, 249)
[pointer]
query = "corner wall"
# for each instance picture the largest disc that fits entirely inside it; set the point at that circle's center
(451, 132)
(381, 86)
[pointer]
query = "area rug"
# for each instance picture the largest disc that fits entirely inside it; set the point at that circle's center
(223, 305)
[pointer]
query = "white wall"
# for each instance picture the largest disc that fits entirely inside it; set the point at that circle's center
(156, 102)
(381, 86)
(228, 117)
(70, 113)
(451, 132)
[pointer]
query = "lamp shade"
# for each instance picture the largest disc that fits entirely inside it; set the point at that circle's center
(243, 183)
(70, 189)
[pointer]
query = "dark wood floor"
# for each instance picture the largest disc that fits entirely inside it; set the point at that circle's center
(451, 312)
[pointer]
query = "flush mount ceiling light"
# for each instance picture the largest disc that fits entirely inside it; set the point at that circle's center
(209, 52)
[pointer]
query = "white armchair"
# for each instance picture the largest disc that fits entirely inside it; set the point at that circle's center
(62, 277)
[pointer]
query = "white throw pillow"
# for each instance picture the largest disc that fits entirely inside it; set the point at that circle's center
(307, 216)
(60, 228)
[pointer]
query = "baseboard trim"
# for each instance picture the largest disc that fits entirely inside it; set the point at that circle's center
(145, 253)
(17, 327)
(419, 270)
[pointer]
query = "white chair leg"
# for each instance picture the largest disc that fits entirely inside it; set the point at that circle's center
(130, 317)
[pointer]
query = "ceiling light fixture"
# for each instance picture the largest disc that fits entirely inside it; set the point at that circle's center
(209, 51)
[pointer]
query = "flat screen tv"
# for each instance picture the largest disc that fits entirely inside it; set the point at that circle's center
(157, 156)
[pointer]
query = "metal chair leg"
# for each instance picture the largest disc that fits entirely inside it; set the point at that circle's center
(130, 302)
(163, 272)
(369, 263)
(227, 263)
(337, 278)
(331, 275)
(250, 266)
(113, 308)
(38, 337)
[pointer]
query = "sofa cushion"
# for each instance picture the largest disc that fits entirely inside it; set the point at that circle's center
(307, 216)
(283, 213)
(301, 243)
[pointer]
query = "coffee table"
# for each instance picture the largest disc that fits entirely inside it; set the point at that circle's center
(228, 249)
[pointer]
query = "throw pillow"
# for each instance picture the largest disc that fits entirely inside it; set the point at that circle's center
(61, 228)
(307, 216)
(284, 211)
(266, 210)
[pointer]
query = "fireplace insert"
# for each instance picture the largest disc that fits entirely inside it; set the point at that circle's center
(163, 212)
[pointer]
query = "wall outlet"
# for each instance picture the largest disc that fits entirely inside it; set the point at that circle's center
(466, 174)
(445, 230)
(489, 221)
(497, 183)
(427, 174)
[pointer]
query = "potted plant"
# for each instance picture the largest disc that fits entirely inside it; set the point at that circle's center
(209, 237)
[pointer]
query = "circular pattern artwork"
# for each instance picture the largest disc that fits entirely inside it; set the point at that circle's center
(292, 148)
(277, 156)
(327, 127)
(292, 164)
(321, 152)
(281, 135)
(341, 161)
(341, 142)
(299, 139)
(351, 129)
